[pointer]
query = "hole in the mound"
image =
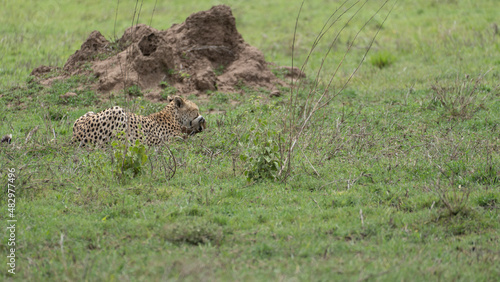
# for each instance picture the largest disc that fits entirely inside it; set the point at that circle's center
(148, 44)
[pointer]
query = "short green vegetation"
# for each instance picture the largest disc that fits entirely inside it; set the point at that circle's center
(134, 91)
(168, 90)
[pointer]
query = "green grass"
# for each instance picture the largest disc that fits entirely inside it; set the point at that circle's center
(397, 179)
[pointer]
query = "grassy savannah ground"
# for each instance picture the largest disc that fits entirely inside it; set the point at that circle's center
(400, 182)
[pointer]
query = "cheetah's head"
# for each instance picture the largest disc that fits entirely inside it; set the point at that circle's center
(188, 115)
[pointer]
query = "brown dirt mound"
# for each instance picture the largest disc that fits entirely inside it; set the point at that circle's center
(206, 52)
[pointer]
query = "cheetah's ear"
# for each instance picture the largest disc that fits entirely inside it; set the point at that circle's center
(179, 102)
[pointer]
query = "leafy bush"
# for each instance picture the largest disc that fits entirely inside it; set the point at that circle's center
(134, 90)
(130, 159)
(263, 156)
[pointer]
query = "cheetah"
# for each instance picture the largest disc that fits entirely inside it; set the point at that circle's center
(180, 117)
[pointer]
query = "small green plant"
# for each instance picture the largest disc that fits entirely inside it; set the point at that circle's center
(184, 75)
(453, 198)
(134, 90)
(382, 59)
(130, 158)
(262, 157)
(219, 70)
(167, 90)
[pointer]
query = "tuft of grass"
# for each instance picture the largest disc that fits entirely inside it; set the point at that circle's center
(455, 199)
(459, 101)
(382, 59)
(193, 232)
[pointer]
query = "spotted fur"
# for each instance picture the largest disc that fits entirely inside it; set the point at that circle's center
(178, 118)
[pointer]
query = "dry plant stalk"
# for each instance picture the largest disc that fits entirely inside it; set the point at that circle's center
(169, 166)
(294, 126)
(30, 134)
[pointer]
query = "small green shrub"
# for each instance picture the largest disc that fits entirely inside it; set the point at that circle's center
(134, 90)
(130, 159)
(262, 156)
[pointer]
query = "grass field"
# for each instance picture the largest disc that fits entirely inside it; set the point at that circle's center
(397, 179)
